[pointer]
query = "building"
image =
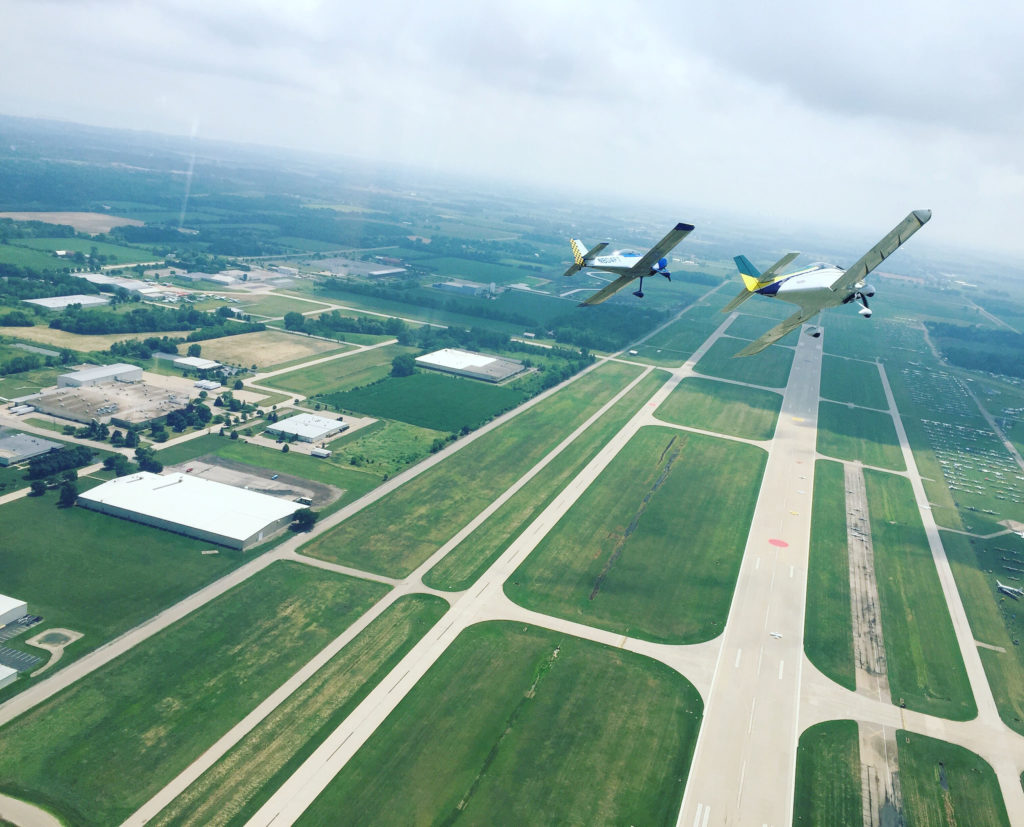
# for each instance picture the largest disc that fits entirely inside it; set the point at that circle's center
(193, 506)
(7, 675)
(11, 609)
(99, 375)
(473, 365)
(60, 302)
(194, 363)
(320, 453)
(207, 384)
(308, 427)
(15, 448)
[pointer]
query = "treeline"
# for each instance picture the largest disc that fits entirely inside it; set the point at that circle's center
(16, 318)
(980, 348)
(17, 283)
(146, 320)
(46, 465)
(330, 324)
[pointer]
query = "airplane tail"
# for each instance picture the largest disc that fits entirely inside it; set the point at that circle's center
(748, 272)
(754, 279)
(581, 255)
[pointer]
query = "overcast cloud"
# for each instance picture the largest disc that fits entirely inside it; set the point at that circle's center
(834, 113)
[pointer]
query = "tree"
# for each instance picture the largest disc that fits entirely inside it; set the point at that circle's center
(194, 350)
(238, 385)
(146, 458)
(117, 439)
(68, 494)
(285, 448)
(403, 365)
(294, 321)
(38, 488)
(304, 519)
(131, 439)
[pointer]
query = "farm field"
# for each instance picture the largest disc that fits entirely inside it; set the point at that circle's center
(722, 407)
(828, 785)
(83, 342)
(149, 713)
(399, 532)
(429, 400)
(856, 434)
(267, 348)
(828, 627)
(925, 667)
(849, 380)
(27, 257)
(97, 574)
(944, 783)
(526, 700)
(115, 253)
(343, 374)
(769, 368)
(386, 447)
(480, 271)
(995, 618)
(470, 558)
(234, 788)
(651, 570)
(272, 306)
(83, 222)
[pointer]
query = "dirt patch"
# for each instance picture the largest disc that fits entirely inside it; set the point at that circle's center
(84, 222)
(76, 341)
(266, 348)
(53, 641)
(261, 480)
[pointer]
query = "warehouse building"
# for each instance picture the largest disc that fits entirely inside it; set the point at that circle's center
(192, 506)
(60, 302)
(15, 448)
(11, 609)
(473, 365)
(307, 427)
(194, 363)
(99, 375)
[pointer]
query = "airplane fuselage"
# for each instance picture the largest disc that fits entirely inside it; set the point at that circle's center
(616, 262)
(810, 287)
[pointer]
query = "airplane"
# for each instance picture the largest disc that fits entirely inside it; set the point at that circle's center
(625, 264)
(819, 286)
(1015, 593)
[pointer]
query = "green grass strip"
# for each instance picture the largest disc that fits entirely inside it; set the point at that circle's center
(828, 790)
(859, 434)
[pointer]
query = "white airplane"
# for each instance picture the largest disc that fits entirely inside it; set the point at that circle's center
(1015, 593)
(626, 264)
(819, 286)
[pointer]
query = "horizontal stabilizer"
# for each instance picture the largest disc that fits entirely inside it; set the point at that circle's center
(741, 297)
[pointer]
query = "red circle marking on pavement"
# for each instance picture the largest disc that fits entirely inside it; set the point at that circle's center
(779, 543)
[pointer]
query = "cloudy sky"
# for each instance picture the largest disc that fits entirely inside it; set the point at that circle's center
(839, 113)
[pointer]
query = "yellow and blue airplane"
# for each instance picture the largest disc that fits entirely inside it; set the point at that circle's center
(625, 264)
(819, 286)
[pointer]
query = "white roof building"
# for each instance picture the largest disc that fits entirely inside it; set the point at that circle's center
(308, 427)
(15, 448)
(467, 363)
(60, 302)
(11, 609)
(195, 362)
(7, 675)
(99, 374)
(193, 506)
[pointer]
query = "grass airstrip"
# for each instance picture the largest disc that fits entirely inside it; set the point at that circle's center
(232, 790)
(100, 749)
(722, 407)
(645, 552)
(396, 534)
(512, 722)
(851, 380)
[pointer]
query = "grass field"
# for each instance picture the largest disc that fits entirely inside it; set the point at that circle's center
(858, 434)
(271, 306)
(769, 368)
(527, 721)
(722, 407)
(27, 257)
(332, 471)
(97, 574)
(267, 348)
(630, 557)
(676, 343)
(474, 270)
(148, 714)
(30, 381)
(995, 618)
(232, 790)
(828, 776)
(115, 253)
(946, 784)
(399, 532)
(74, 341)
(384, 448)
(846, 380)
(925, 667)
(828, 627)
(470, 558)
(343, 374)
(430, 400)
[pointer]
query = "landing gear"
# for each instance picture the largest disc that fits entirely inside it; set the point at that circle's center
(640, 293)
(864, 311)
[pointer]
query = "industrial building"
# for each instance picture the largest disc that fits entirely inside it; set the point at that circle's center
(60, 302)
(7, 675)
(15, 447)
(192, 506)
(308, 427)
(100, 374)
(115, 403)
(473, 365)
(11, 609)
(194, 363)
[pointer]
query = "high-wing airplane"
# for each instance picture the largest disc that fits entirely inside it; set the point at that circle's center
(626, 264)
(819, 286)
(1015, 593)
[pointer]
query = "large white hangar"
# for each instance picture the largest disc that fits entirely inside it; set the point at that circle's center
(192, 506)
(468, 363)
(308, 427)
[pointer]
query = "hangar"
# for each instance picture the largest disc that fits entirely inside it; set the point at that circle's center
(11, 609)
(60, 302)
(7, 675)
(473, 365)
(15, 448)
(308, 427)
(100, 374)
(195, 362)
(192, 506)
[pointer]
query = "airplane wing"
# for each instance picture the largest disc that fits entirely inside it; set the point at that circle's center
(780, 330)
(883, 249)
(659, 250)
(608, 291)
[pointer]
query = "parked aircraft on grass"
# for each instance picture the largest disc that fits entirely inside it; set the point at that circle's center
(1015, 593)
(819, 286)
(626, 264)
